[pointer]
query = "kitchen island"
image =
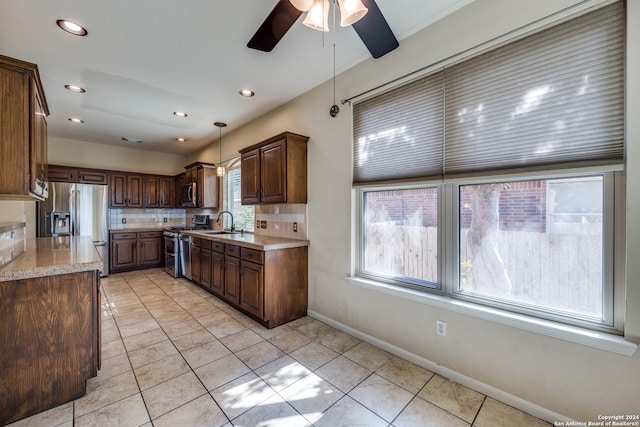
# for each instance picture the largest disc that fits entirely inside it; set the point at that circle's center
(49, 325)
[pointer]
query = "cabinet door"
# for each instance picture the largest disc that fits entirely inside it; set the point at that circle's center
(38, 145)
(205, 268)
(166, 186)
(62, 174)
(232, 279)
(124, 254)
(196, 268)
(180, 180)
(250, 180)
(151, 193)
(252, 288)
(118, 190)
(217, 273)
(88, 176)
(150, 252)
(273, 172)
(135, 191)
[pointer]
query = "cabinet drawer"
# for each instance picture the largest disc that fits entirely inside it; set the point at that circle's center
(195, 241)
(232, 250)
(205, 244)
(124, 236)
(217, 247)
(253, 255)
(150, 235)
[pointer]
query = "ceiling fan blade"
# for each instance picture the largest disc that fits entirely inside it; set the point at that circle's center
(375, 32)
(275, 26)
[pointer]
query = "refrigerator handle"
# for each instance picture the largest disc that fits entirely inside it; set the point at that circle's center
(75, 204)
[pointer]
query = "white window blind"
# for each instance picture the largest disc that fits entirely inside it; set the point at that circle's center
(554, 97)
(398, 135)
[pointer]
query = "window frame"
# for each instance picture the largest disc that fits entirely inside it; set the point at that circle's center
(449, 249)
(233, 165)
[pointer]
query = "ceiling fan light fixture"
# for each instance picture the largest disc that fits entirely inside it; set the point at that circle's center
(302, 5)
(318, 16)
(351, 11)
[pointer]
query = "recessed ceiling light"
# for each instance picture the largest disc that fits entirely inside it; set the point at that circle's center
(181, 139)
(247, 92)
(138, 141)
(71, 27)
(179, 114)
(75, 120)
(76, 89)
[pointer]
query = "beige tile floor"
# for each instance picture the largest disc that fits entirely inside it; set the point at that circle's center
(173, 355)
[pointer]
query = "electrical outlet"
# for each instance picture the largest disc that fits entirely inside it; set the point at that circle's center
(264, 224)
(441, 328)
(124, 220)
(164, 219)
(295, 227)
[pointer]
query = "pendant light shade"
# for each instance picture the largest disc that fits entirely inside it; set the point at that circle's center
(351, 11)
(318, 16)
(302, 5)
(220, 170)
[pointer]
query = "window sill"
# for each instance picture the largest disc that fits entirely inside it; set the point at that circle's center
(599, 340)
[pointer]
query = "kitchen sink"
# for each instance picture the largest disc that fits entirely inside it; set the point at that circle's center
(219, 232)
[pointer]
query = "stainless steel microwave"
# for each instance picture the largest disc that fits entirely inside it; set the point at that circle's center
(189, 196)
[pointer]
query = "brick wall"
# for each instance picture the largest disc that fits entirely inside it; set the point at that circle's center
(522, 207)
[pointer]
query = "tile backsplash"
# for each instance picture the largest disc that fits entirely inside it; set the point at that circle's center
(280, 220)
(143, 218)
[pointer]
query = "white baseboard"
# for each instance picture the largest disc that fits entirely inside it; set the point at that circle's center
(509, 399)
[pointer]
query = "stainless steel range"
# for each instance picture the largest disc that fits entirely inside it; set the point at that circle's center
(177, 247)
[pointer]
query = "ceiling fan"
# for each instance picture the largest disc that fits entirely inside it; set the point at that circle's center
(364, 16)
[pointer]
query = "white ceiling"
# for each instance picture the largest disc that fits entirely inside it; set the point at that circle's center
(144, 59)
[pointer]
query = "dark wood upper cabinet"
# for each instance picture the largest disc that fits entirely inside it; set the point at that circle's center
(91, 176)
(275, 170)
(75, 175)
(126, 190)
(62, 174)
(159, 191)
(23, 131)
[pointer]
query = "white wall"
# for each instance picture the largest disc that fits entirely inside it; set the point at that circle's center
(569, 379)
(65, 152)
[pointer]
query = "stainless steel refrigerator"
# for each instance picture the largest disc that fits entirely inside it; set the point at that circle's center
(76, 210)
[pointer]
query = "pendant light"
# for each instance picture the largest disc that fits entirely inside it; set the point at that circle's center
(220, 170)
(351, 11)
(318, 16)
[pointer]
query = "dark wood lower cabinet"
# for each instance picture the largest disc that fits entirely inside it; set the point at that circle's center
(252, 288)
(270, 286)
(217, 268)
(50, 342)
(232, 279)
(133, 251)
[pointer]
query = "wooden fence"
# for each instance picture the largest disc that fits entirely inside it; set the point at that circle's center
(557, 270)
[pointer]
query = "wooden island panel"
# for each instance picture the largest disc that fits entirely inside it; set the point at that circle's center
(49, 330)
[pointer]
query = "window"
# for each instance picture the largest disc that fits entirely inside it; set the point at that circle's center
(243, 215)
(496, 180)
(400, 233)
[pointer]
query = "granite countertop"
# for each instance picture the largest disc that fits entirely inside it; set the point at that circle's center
(8, 226)
(48, 256)
(250, 240)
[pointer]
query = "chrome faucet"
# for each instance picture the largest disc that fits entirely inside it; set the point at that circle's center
(231, 215)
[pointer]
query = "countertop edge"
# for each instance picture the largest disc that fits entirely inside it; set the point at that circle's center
(263, 243)
(32, 273)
